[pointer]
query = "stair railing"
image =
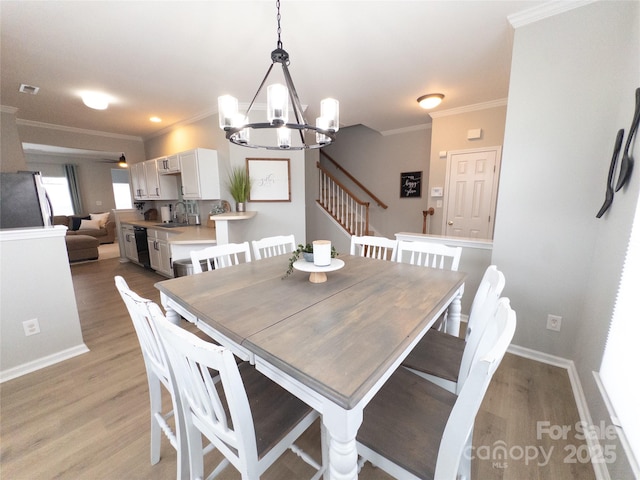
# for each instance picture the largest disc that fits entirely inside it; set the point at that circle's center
(379, 202)
(341, 204)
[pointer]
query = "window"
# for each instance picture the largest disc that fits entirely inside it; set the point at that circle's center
(121, 190)
(58, 190)
(619, 369)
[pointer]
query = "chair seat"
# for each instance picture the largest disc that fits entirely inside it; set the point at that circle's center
(272, 421)
(405, 421)
(438, 354)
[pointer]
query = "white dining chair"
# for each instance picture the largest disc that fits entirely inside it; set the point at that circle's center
(413, 429)
(429, 254)
(272, 246)
(446, 359)
(370, 246)
(220, 256)
(251, 420)
(157, 367)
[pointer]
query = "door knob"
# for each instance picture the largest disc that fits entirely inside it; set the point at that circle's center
(450, 222)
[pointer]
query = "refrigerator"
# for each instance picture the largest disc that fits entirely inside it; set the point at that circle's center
(24, 201)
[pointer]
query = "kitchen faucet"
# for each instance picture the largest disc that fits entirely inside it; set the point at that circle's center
(183, 218)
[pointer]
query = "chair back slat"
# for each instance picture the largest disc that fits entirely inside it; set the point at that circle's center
(380, 248)
(273, 246)
(218, 409)
(428, 254)
(220, 256)
(152, 350)
(483, 310)
(456, 437)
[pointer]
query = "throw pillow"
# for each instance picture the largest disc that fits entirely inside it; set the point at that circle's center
(101, 217)
(75, 222)
(89, 225)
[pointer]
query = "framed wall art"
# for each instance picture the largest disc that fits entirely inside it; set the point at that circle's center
(270, 179)
(410, 184)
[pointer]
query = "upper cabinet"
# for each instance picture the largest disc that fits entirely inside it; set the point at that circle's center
(168, 165)
(200, 174)
(149, 185)
(138, 181)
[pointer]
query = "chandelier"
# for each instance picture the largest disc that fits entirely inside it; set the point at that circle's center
(237, 126)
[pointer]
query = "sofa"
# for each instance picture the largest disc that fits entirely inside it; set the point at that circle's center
(101, 226)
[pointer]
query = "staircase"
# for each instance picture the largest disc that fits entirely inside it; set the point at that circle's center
(344, 207)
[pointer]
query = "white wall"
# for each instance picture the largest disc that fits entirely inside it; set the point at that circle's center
(572, 87)
(36, 283)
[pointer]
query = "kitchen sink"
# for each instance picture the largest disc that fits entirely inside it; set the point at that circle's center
(171, 225)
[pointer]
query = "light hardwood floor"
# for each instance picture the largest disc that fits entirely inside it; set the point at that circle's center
(88, 417)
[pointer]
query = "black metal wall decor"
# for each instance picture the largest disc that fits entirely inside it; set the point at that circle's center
(626, 164)
(410, 184)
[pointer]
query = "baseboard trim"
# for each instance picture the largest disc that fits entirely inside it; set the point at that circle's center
(42, 362)
(600, 469)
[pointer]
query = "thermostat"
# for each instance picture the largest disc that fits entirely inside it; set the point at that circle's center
(436, 191)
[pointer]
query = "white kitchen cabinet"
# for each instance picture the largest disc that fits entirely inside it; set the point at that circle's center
(138, 181)
(159, 251)
(153, 179)
(168, 165)
(129, 238)
(199, 174)
(148, 184)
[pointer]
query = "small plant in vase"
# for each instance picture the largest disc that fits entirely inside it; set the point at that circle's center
(307, 253)
(239, 185)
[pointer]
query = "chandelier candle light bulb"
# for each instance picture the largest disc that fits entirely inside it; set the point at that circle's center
(279, 97)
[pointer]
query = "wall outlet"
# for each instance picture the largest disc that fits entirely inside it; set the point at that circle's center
(31, 327)
(554, 322)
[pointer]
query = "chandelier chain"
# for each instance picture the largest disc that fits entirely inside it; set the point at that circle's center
(278, 19)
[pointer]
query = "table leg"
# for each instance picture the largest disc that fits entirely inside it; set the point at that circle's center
(342, 427)
(170, 313)
(453, 314)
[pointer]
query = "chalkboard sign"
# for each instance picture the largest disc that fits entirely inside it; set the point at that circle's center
(410, 184)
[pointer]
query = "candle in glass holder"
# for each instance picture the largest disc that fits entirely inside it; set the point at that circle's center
(322, 253)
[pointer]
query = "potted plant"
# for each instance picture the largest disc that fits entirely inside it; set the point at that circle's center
(239, 185)
(307, 253)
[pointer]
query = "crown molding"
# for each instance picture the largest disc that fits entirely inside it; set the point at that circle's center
(63, 128)
(502, 102)
(7, 109)
(414, 128)
(545, 10)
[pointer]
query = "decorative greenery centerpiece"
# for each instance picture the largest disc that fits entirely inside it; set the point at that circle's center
(302, 249)
(239, 185)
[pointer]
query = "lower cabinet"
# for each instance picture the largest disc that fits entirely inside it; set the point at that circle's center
(129, 237)
(159, 251)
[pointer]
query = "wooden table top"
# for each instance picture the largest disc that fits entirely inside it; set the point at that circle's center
(337, 337)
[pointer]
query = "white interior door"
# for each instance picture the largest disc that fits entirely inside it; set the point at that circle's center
(472, 180)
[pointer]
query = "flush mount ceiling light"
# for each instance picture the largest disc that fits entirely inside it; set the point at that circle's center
(237, 126)
(96, 100)
(430, 100)
(155, 119)
(122, 162)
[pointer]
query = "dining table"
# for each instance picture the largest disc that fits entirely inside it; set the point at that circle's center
(331, 344)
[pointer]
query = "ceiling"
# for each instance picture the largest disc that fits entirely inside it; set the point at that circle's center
(173, 59)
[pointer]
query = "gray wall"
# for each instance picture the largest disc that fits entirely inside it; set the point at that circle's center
(572, 87)
(94, 177)
(376, 161)
(11, 154)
